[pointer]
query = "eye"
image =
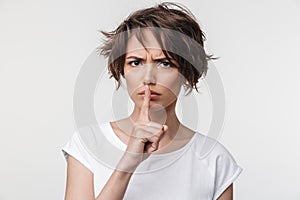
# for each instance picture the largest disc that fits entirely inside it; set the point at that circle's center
(165, 64)
(135, 63)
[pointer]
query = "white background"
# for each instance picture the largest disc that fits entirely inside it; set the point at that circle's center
(44, 43)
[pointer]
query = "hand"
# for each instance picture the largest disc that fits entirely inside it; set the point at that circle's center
(144, 138)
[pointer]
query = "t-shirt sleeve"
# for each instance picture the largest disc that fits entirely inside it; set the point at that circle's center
(226, 172)
(75, 148)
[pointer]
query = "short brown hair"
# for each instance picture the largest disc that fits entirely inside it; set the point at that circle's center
(168, 16)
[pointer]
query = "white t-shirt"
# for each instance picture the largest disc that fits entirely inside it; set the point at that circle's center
(178, 175)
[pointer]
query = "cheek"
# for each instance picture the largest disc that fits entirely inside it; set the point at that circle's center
(133, 83)
(172, 81)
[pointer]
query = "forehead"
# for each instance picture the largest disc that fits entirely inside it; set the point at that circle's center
(148, 41)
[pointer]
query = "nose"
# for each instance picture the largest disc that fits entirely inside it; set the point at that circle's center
(149, 75)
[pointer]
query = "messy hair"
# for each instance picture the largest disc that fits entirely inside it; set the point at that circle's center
(181, 39)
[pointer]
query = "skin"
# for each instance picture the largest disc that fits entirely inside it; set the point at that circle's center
(142, 130)
(150, 67)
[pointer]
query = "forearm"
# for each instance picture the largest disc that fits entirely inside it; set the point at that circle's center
(116, 186)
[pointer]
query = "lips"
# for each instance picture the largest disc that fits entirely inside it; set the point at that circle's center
(152, 92)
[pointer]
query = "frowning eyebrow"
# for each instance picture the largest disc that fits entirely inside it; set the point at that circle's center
(139, 58)
(134, 57)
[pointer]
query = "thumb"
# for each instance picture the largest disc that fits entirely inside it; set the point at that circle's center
(165, 128)
(154, 145)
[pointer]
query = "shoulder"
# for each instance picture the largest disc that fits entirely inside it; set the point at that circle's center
(217, 157)
(82, 145)
(206, 147)
(76, 149)
(220, 162)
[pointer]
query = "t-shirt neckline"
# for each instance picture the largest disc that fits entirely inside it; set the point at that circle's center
(124, 146)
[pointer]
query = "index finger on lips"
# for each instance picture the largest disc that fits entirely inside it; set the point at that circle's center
(144, 114)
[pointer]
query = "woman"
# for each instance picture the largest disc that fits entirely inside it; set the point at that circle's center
(157, 50)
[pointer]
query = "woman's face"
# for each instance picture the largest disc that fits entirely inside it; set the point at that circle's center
(150, 66)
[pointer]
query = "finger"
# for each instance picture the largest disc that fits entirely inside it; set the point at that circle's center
(147, 131)
(165, 128)
(151, 147)
(153, 142)
(144, 113)
(152, 126)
